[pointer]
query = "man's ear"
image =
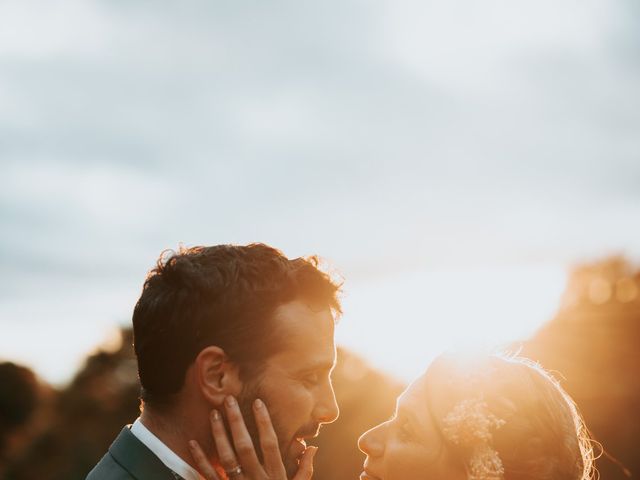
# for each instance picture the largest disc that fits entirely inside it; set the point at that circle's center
(216, 375)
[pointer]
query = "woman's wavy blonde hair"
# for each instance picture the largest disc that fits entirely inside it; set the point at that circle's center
(540, 434)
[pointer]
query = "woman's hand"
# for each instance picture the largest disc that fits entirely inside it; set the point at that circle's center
(240, 461)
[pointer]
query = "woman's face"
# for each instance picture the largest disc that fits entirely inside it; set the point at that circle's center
(408, 446)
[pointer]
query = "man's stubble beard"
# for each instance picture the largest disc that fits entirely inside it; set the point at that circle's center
(251, 390)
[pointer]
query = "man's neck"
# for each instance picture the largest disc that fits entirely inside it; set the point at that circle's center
(175, 431)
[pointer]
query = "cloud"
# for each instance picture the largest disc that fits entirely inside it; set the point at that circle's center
(385, 136)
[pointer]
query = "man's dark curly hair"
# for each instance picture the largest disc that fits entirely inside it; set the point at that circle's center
(223, 295)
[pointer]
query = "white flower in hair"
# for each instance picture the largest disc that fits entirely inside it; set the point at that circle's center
(470, 425)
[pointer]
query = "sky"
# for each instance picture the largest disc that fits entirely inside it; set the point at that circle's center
(451, 159)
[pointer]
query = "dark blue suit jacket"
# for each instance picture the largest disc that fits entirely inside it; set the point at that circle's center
(129, 459)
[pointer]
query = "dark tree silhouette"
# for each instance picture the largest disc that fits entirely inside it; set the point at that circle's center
(86, 417)
(593, 344)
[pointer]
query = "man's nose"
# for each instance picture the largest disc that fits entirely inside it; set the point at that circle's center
(327, 409)
(371, 442)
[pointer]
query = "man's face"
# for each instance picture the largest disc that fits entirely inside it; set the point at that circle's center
(295, 383)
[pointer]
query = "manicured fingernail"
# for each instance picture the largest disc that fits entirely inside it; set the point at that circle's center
(230, 401)
(313, 453)
(258, 404)
(215, 414)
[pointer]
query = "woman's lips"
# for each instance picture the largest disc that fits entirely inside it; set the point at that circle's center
(367, 475)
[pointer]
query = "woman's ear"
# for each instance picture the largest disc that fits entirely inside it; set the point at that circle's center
(216, 375)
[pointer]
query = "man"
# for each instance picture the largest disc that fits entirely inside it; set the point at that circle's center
(213, 322)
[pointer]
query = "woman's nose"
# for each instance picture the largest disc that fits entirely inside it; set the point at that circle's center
(371, 442)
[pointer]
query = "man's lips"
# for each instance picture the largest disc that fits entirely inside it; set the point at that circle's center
(302, 437)
(298, 446)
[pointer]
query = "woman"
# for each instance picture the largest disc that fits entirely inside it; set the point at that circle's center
(489, 418)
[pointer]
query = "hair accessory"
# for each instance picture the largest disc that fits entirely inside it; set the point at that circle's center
(470, 425)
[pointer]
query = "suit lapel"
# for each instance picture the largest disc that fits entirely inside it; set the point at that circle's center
(137, 459)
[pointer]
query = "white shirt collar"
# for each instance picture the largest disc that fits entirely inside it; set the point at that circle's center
(164, 453)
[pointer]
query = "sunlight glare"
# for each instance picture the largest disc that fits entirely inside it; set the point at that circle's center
(401, 322)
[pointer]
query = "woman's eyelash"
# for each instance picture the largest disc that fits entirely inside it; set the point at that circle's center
(312, 378)
(404, 429)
